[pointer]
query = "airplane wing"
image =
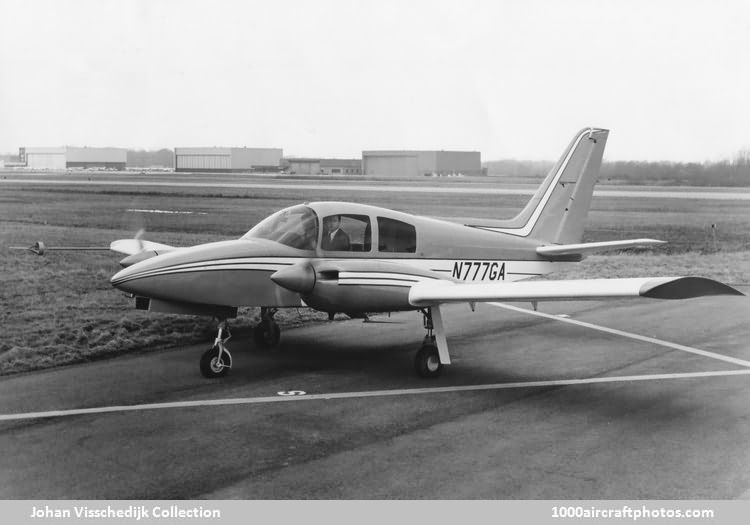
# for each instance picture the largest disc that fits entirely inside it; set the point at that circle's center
(554, 250)
(129, 247)
(440, 292)
(134, 246)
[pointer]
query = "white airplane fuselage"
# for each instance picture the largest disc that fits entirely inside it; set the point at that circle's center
(239, 272)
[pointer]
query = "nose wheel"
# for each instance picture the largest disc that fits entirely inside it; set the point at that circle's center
(267, 333)
(216, 361)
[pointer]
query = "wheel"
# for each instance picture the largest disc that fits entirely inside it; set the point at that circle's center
(427, 361)
(267, 334)
(211, 367)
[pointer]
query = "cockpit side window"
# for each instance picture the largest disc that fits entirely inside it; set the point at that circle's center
(396, 236)
(346, 232)
(296, 227)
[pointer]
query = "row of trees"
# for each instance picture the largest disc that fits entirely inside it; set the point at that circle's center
(734, 172)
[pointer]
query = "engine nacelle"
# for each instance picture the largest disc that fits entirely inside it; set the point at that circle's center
(353, 285)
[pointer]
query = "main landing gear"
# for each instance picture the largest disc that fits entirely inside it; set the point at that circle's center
(267, 333)
(433, 353)
(217, 360)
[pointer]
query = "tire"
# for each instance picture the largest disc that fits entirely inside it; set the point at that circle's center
(427, 362)
(267, 334)
(209, 364)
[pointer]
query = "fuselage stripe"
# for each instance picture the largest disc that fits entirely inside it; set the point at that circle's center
(191, 270)
(233, 261)
(269, 264)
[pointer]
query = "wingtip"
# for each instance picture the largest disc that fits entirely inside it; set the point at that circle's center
(685, 288)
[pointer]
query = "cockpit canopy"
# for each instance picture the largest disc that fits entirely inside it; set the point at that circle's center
(296, 227)
(345, 228)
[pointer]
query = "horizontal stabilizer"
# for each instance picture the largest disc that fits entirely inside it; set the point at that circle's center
(133, 246)
(439, 292)
(554, 250)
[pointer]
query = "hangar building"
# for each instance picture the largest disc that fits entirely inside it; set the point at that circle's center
(227, 159)
(413, 163)
(73, 157)
(315, 166)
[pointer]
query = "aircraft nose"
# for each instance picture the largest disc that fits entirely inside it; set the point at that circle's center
(224, 273)
(121, 278)
(144, 277)
(298, 278)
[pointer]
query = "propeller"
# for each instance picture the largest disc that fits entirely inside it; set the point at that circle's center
(139, 237)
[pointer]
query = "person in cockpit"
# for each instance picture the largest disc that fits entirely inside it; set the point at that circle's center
(335, 238)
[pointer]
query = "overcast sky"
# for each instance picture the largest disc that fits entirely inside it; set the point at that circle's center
(331, 78)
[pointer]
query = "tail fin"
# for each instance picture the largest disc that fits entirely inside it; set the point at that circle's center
(558, 209)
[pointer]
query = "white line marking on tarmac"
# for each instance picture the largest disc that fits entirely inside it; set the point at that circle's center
(292, 393)
(371, 393)
(637, 337)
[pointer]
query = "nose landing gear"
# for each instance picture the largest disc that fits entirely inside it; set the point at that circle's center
(217, 360)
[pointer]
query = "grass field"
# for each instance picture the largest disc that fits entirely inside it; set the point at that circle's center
(60, 308)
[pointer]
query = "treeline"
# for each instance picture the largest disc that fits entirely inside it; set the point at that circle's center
(735, 172)
(163, 158)
(518, 168)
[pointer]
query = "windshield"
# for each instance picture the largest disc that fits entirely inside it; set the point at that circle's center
(296, 227)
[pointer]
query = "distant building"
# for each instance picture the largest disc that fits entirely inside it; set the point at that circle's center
(315, 166)
(227, 159)
(162, 158)
(415, 163)
(72, 157)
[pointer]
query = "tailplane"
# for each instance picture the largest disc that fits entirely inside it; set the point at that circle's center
(557, 211)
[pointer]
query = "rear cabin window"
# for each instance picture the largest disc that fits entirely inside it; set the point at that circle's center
(347, 233)
(396, 236)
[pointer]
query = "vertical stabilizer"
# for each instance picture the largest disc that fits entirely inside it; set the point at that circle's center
(557, 211)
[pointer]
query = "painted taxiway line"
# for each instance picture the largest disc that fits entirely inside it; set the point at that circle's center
(675, 194)
(630, 335)
(372, 393)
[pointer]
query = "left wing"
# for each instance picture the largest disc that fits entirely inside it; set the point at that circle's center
(136, 249)
(135, 246)
(440, 292)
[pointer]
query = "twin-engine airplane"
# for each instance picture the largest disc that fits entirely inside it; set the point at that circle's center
(353, 258)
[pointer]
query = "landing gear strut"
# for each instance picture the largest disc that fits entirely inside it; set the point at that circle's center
(433, 353)
(267, 333)
(217, 360)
